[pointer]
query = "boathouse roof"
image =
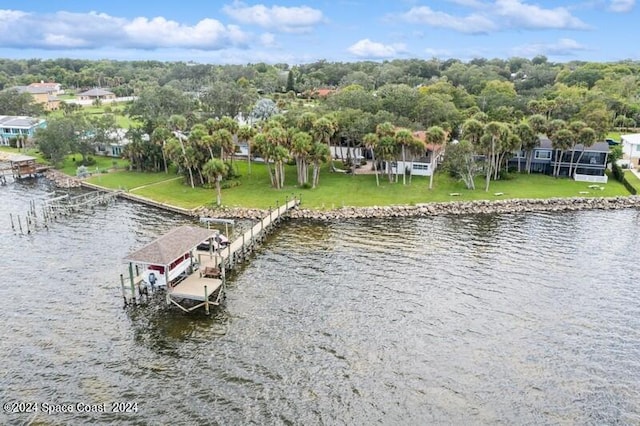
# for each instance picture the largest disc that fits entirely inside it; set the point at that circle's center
(170, 246)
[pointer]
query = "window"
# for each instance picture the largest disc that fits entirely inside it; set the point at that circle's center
(543, 155)
(637, 148)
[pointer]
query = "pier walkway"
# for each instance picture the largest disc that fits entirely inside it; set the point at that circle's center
(203, 282)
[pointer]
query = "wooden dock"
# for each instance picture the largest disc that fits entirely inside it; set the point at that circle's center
(205, 284)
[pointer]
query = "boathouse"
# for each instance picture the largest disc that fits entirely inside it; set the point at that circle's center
(172, 261)
(23, 166)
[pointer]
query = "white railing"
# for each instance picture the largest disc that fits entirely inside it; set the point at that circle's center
(590, 178)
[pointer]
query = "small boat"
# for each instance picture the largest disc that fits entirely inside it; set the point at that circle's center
(154, 274)
(219, 242)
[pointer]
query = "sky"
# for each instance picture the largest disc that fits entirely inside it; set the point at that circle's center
(304, 31)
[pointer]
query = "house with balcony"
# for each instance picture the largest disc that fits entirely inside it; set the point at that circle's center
(12, 127)
(585, 164)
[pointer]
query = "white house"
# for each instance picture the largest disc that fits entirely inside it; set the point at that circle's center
(631, 149)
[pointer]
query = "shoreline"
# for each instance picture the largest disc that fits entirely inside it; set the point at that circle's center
(512, 205)
(442, 208)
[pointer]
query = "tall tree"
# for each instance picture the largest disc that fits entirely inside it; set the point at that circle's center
(300, 149)
(436, 137)
(403, 139)
(370, 141)
(215, 169)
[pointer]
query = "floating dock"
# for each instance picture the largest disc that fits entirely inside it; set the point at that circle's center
(203, 282)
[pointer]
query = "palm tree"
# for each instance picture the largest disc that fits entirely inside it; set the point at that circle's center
(403, 138)
(300, 148)
(562, 140)
(587, 137)
(416, 149)
(178, 123)
(528, 142)
(224, 139)
(246, 133)
(494, 133)
(215, 169)
(320, 153)
(436, 137)
(387, 150)
(160, 136)
(264, 148)
(371, 142)
(575, 126)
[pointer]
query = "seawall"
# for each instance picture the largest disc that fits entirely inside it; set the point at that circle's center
(444, 208)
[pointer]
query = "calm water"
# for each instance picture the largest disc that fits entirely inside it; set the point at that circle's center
(505, 319)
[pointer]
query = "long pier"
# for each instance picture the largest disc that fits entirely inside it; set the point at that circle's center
(238, 249)
(205, 284)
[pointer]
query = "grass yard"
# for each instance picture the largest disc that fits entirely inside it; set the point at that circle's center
(632, 179)
(337, 189)
(69, 166)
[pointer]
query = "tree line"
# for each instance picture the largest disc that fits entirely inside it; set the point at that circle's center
(491, 106)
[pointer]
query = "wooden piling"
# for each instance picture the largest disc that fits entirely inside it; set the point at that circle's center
(206, 300)
(133, 286)
(124, 293)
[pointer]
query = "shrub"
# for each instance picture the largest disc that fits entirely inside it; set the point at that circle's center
(226, 184)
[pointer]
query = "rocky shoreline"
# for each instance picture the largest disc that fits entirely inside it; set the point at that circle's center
(444, 208)
(426, 209)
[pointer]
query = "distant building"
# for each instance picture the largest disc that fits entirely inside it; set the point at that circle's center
(45, 96)
(117, 140)
(54, 88)
(631, 149)
(12, 126)
(96, 93)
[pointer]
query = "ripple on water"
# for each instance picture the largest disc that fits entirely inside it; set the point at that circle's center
(527, 318)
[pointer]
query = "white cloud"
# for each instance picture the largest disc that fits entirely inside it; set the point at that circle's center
(469, 3)
(495, 16)
(92, 30)
(268, 40)
(469, 24)
(562, 47)
(622, 5)
(522, 15)
(366, 48)
(277, 18)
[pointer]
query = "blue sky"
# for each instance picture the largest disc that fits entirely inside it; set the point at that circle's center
(302, 31)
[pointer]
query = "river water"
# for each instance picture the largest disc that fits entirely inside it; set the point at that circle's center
(492, 319)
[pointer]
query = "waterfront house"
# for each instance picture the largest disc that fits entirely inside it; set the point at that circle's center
(115, 142)
(421, 165)
(588, 164)
(95, 94)
(12, 127)
(631, 149)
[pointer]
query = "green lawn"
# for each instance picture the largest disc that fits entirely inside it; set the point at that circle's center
(338, 189)
(632, 179)
(69, 166)
(122, 120)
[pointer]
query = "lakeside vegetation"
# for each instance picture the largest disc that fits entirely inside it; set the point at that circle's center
(338, 190)
(181, 120)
